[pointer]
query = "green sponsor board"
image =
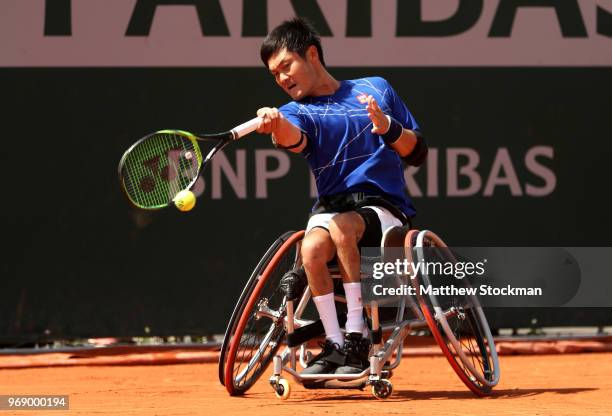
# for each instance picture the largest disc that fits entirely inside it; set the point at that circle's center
(519, 157)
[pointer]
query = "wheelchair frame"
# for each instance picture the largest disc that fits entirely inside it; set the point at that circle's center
(476, 363)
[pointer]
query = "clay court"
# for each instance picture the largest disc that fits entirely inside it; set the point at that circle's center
(542, 384)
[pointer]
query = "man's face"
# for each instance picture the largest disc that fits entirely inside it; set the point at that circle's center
(294, 74)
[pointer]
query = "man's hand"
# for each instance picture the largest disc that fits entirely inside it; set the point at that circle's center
(284, 133)
(270, 120)
(379, 119)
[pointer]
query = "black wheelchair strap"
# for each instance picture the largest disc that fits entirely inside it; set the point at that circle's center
(376, 336)
(310, 331)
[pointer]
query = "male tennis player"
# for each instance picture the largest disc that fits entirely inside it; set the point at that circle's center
(356, 136)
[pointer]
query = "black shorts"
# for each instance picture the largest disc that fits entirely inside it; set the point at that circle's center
(372, 234)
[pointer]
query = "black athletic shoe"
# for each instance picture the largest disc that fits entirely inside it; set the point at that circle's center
(357, 349)
(327, 360)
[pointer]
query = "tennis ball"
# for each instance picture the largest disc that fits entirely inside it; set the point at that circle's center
(185, 200)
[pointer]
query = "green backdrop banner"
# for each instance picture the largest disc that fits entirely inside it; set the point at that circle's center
(519, 157)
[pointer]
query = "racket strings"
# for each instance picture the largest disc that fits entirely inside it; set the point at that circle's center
(159, 167)
(139, 180)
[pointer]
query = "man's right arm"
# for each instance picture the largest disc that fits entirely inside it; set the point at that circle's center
(284, 133)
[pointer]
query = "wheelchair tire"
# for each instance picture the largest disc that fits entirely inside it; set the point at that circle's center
(246, 292)
(463, 336)
(255, 336)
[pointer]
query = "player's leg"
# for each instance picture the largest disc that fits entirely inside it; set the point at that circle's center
(317, 250)
(346, 230)
(365, 227)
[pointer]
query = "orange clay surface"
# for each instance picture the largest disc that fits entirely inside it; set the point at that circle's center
(566, 384)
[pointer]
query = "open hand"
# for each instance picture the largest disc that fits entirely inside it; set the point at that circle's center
(379, 119)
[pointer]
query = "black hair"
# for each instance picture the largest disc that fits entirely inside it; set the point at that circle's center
(297, 35)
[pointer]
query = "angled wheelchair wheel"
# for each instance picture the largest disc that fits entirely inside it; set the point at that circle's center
(457, 323)
(244, 296)
(257, 327)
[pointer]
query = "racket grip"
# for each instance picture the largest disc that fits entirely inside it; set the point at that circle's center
(245, 128)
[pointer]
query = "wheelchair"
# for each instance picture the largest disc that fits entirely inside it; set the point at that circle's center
(269, 327)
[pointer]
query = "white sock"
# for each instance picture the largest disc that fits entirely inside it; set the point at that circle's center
(354, 316)
(327, 312)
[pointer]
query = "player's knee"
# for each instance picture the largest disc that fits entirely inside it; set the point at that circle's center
(317, 249)
(346, 229)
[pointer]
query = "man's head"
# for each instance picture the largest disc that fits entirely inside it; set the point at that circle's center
(293, 54)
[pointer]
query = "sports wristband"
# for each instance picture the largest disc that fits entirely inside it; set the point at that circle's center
(394, 133)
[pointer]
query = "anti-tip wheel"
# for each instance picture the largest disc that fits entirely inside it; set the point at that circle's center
(382, 389)
(282, 389)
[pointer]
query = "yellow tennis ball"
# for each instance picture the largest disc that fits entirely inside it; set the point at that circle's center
(185, 200)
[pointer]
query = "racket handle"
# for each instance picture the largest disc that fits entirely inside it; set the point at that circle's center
(245, 128)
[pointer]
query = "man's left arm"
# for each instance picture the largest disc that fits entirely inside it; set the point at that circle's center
(409, 144)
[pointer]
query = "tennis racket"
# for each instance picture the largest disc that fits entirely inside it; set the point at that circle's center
(158, 166)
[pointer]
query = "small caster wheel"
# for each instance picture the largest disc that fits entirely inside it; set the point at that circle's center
(282, 389)
(382, 389)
